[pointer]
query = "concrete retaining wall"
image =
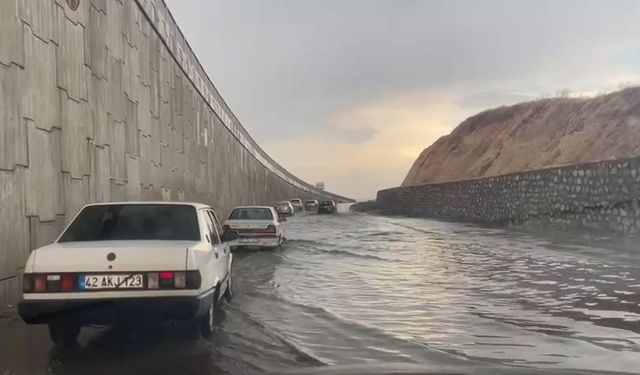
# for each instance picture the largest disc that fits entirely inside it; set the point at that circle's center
(107, 102)
(603, 196)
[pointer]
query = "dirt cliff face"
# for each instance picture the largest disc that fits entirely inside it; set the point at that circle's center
(533, 135)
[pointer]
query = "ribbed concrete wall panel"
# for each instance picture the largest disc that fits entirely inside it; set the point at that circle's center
(14, 234)
(40, 96)
(13, 130)
(96, 54)
(78, 16)
(114, 29)
(130, 72)
(131, 128)
(70, 68)
(11, 44)
(44, 194)
(77, 129)
(98, 112)
(76, 194)
(116, 106)
(41, 15)
(100, 178)
(133, 178)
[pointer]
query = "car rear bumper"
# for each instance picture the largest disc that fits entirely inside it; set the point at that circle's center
(327, 210)
(258, 241)
(114, 311)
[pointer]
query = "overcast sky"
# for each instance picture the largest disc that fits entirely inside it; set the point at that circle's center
(350, 92)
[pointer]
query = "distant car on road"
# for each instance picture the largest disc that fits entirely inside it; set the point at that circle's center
(257, 226)
(327, 207)
(311, 205)
(127, 263)
(284, 208)
(298, 206)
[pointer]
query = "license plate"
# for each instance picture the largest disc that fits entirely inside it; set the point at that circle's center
(248, 240)
(110, 281)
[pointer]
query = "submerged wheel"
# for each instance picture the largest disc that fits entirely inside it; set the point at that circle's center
(228, 292)
(204, 324)
(64, 333)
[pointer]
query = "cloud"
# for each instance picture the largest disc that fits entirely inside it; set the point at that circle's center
(354, 135)
(359, 70)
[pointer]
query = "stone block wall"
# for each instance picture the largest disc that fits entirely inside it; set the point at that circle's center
(602, 196)
(107, 102)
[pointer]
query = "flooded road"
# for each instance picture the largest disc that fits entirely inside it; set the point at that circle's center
(353, 288)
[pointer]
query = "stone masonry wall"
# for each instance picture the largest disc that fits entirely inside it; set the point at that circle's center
(103, 100)
(603, 196)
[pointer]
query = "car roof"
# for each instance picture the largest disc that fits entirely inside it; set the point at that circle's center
(194, 204)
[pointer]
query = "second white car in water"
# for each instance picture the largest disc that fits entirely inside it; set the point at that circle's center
(257, 226)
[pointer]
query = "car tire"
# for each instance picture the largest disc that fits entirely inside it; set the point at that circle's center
(204, 324)
(228, 292)
(63, 332)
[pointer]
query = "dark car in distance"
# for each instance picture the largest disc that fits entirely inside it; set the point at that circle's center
(327, 207)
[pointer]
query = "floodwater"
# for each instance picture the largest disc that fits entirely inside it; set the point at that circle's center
(359, 289)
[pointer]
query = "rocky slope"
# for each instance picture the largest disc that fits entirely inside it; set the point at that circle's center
(532, 135)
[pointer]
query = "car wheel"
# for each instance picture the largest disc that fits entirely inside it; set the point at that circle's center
(228, 292)
(205, 323)
(64, 333)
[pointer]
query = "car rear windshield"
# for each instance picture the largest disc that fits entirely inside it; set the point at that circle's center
(327, 203)
(296, 201)
(310, 202)
(134, 222)
(251, 214)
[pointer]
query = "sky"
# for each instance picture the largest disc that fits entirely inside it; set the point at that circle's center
(349, 92)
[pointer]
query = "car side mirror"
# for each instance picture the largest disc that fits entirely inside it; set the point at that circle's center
(282, 218)
(230, 235)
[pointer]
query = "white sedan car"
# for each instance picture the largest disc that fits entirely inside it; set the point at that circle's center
(257, 226)
(126, 263)
(284, 208)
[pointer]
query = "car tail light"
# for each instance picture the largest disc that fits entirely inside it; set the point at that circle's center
(67, 283)
(27, 283)
(165, 279)
(40, 283)
(152, 280)
(171, 280)
(179, 280)
(270, 229)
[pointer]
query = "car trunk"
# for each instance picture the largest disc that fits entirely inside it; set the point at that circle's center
(249, 227)
(96, 256)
